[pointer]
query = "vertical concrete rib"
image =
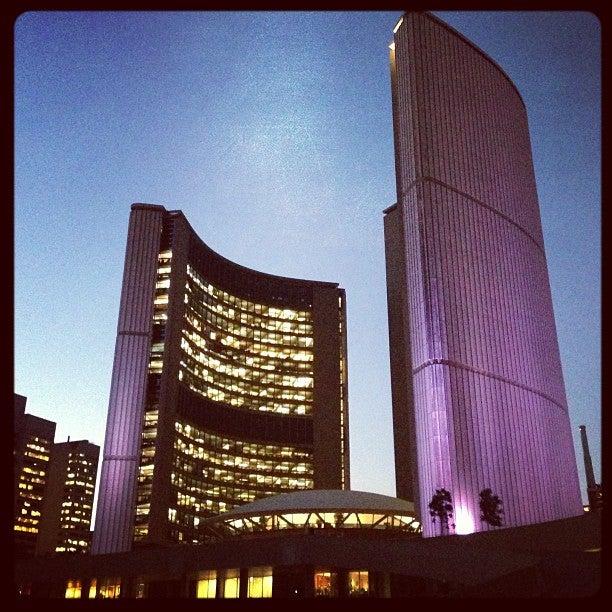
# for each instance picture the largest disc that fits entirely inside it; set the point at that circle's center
(115, 511)
(328, 465)
(401, 386)
(487, 405)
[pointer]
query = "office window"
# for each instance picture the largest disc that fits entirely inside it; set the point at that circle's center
(207, 585)
(260, 582)
(231, 584)
(358, 583)
(73, 589)
(325, 584)
(110, 588)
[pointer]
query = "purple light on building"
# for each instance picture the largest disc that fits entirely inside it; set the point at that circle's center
(478, 394)
(114, 517)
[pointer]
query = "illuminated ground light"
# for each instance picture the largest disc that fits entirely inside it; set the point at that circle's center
(464, 523)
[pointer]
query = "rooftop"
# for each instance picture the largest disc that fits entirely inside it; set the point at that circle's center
(324, 500)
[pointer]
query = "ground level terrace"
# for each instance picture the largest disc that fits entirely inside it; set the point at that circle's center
(560, 558)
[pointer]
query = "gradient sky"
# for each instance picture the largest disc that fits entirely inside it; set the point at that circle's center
(272, 132)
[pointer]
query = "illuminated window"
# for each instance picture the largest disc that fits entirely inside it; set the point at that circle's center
(325, 584)
(207, 585)
(110, 588)
(145, 473)
(231, 584)
(218, 323)
(260, 582)
(212, 474)
(358, 583)
(93, 589)
(73, 589)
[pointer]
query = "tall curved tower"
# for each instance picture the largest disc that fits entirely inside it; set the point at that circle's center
(228, 385)
(478, 394)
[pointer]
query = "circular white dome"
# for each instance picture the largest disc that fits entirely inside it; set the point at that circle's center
(324, 500)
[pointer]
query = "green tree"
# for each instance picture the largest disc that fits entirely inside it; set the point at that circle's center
(490, 508)
(441, 509)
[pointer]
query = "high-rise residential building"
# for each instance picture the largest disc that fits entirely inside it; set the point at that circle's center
(68, 500)
(33, 441)
(478, 393)
(228, 385)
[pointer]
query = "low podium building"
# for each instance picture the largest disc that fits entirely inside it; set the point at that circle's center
(333, 544)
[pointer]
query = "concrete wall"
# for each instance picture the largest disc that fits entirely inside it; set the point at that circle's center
(489, 397)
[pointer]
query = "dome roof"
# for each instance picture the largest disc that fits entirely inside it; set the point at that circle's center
(324, 500)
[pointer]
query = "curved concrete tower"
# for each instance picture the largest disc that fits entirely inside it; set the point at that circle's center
(478, 394)
(228, 385)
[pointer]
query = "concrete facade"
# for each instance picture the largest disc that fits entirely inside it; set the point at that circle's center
(186, 400)
(115, 511)
(481, 397)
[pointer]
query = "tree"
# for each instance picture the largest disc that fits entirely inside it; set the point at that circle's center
(490, 508)
(441, 508)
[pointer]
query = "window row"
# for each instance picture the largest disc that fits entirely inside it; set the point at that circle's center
(226, 584)
(246, 305)
(297, 477)
(109, 588)
(145, 473)
(341, 519)
(259, 358)
(270, 399)
(216, 340)
(204, 457)
(291, 404)
(234, 446)
(246, 379)
(205, 305)
(242, 338)
(199, 494)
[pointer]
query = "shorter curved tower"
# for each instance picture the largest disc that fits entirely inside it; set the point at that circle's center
(478, 394)
(228, 385)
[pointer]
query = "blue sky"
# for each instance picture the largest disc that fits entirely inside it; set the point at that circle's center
(272, 132)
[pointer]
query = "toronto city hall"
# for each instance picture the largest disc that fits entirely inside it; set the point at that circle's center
(225, 470)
